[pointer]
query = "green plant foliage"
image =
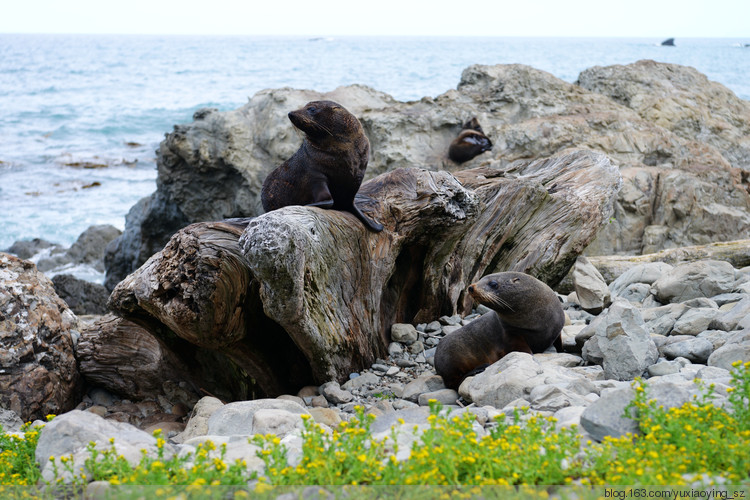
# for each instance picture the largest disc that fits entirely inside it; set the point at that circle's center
(691, 445)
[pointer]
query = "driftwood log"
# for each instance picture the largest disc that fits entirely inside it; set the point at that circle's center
(303, 295)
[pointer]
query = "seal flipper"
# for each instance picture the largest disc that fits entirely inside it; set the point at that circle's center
(370, 224)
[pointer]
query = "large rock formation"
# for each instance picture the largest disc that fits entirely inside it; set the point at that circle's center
(309, 295)
(683, 182)
(38, 372)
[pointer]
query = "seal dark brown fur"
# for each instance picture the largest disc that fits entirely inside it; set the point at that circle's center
(529, 318)
(473, 348)
(470, 142)
(328, 168)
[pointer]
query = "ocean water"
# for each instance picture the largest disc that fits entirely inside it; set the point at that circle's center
(81, 115)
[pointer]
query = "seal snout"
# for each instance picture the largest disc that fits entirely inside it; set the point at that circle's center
(471, 289)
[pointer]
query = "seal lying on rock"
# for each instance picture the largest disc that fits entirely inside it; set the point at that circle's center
(526, 316)
(327, 169)
(470, 142)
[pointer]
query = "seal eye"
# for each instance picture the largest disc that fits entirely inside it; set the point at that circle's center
(312, 110)
(493, 284)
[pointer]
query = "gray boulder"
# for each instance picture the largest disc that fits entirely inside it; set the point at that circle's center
(639, 274)
(622, 342)
(593, 293)
(607, 415)
(83, 297)
(695, 279)
(693, 349)
(237, 418)
(724, 356)
(514, 377)
(70, 434)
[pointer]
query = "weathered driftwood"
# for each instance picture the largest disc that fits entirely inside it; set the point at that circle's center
(309, 295)
(126, 359)
(736, 253)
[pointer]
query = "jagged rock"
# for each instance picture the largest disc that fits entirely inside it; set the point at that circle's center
(83, 297)
(639, 274)
(38, 370)
(593, 293)
(680, 99)
(621, 342)
(729, 320)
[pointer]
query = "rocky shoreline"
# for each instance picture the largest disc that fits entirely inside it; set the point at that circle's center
(635, 156)
(672, 325)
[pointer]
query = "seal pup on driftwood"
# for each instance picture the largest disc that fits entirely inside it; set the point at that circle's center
(470, 142)
(526, 316)
(328, 168)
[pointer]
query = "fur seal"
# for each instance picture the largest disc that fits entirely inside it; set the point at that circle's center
(327, 169)
(470, 142)
(526, 316)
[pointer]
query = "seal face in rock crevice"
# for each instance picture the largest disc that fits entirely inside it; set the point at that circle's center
(470, 142)
(526, 316)
(328, 168)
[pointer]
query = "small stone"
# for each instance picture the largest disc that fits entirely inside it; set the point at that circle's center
(393, 370)
(431, 341)
(425, 383)
(333, 393)
(450, 320)
(319, 401)
(326, 416)
(405, 363)
(365, 379)
(416, 347)
(443, 396)
(395, 349)
(433, 326)
(380, 368)
(404, 332)
(308, 390)
(97, 410)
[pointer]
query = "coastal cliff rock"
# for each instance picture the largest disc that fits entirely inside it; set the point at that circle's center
(38, 371)
(302, 295)
(668, 95)
(683, 179)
